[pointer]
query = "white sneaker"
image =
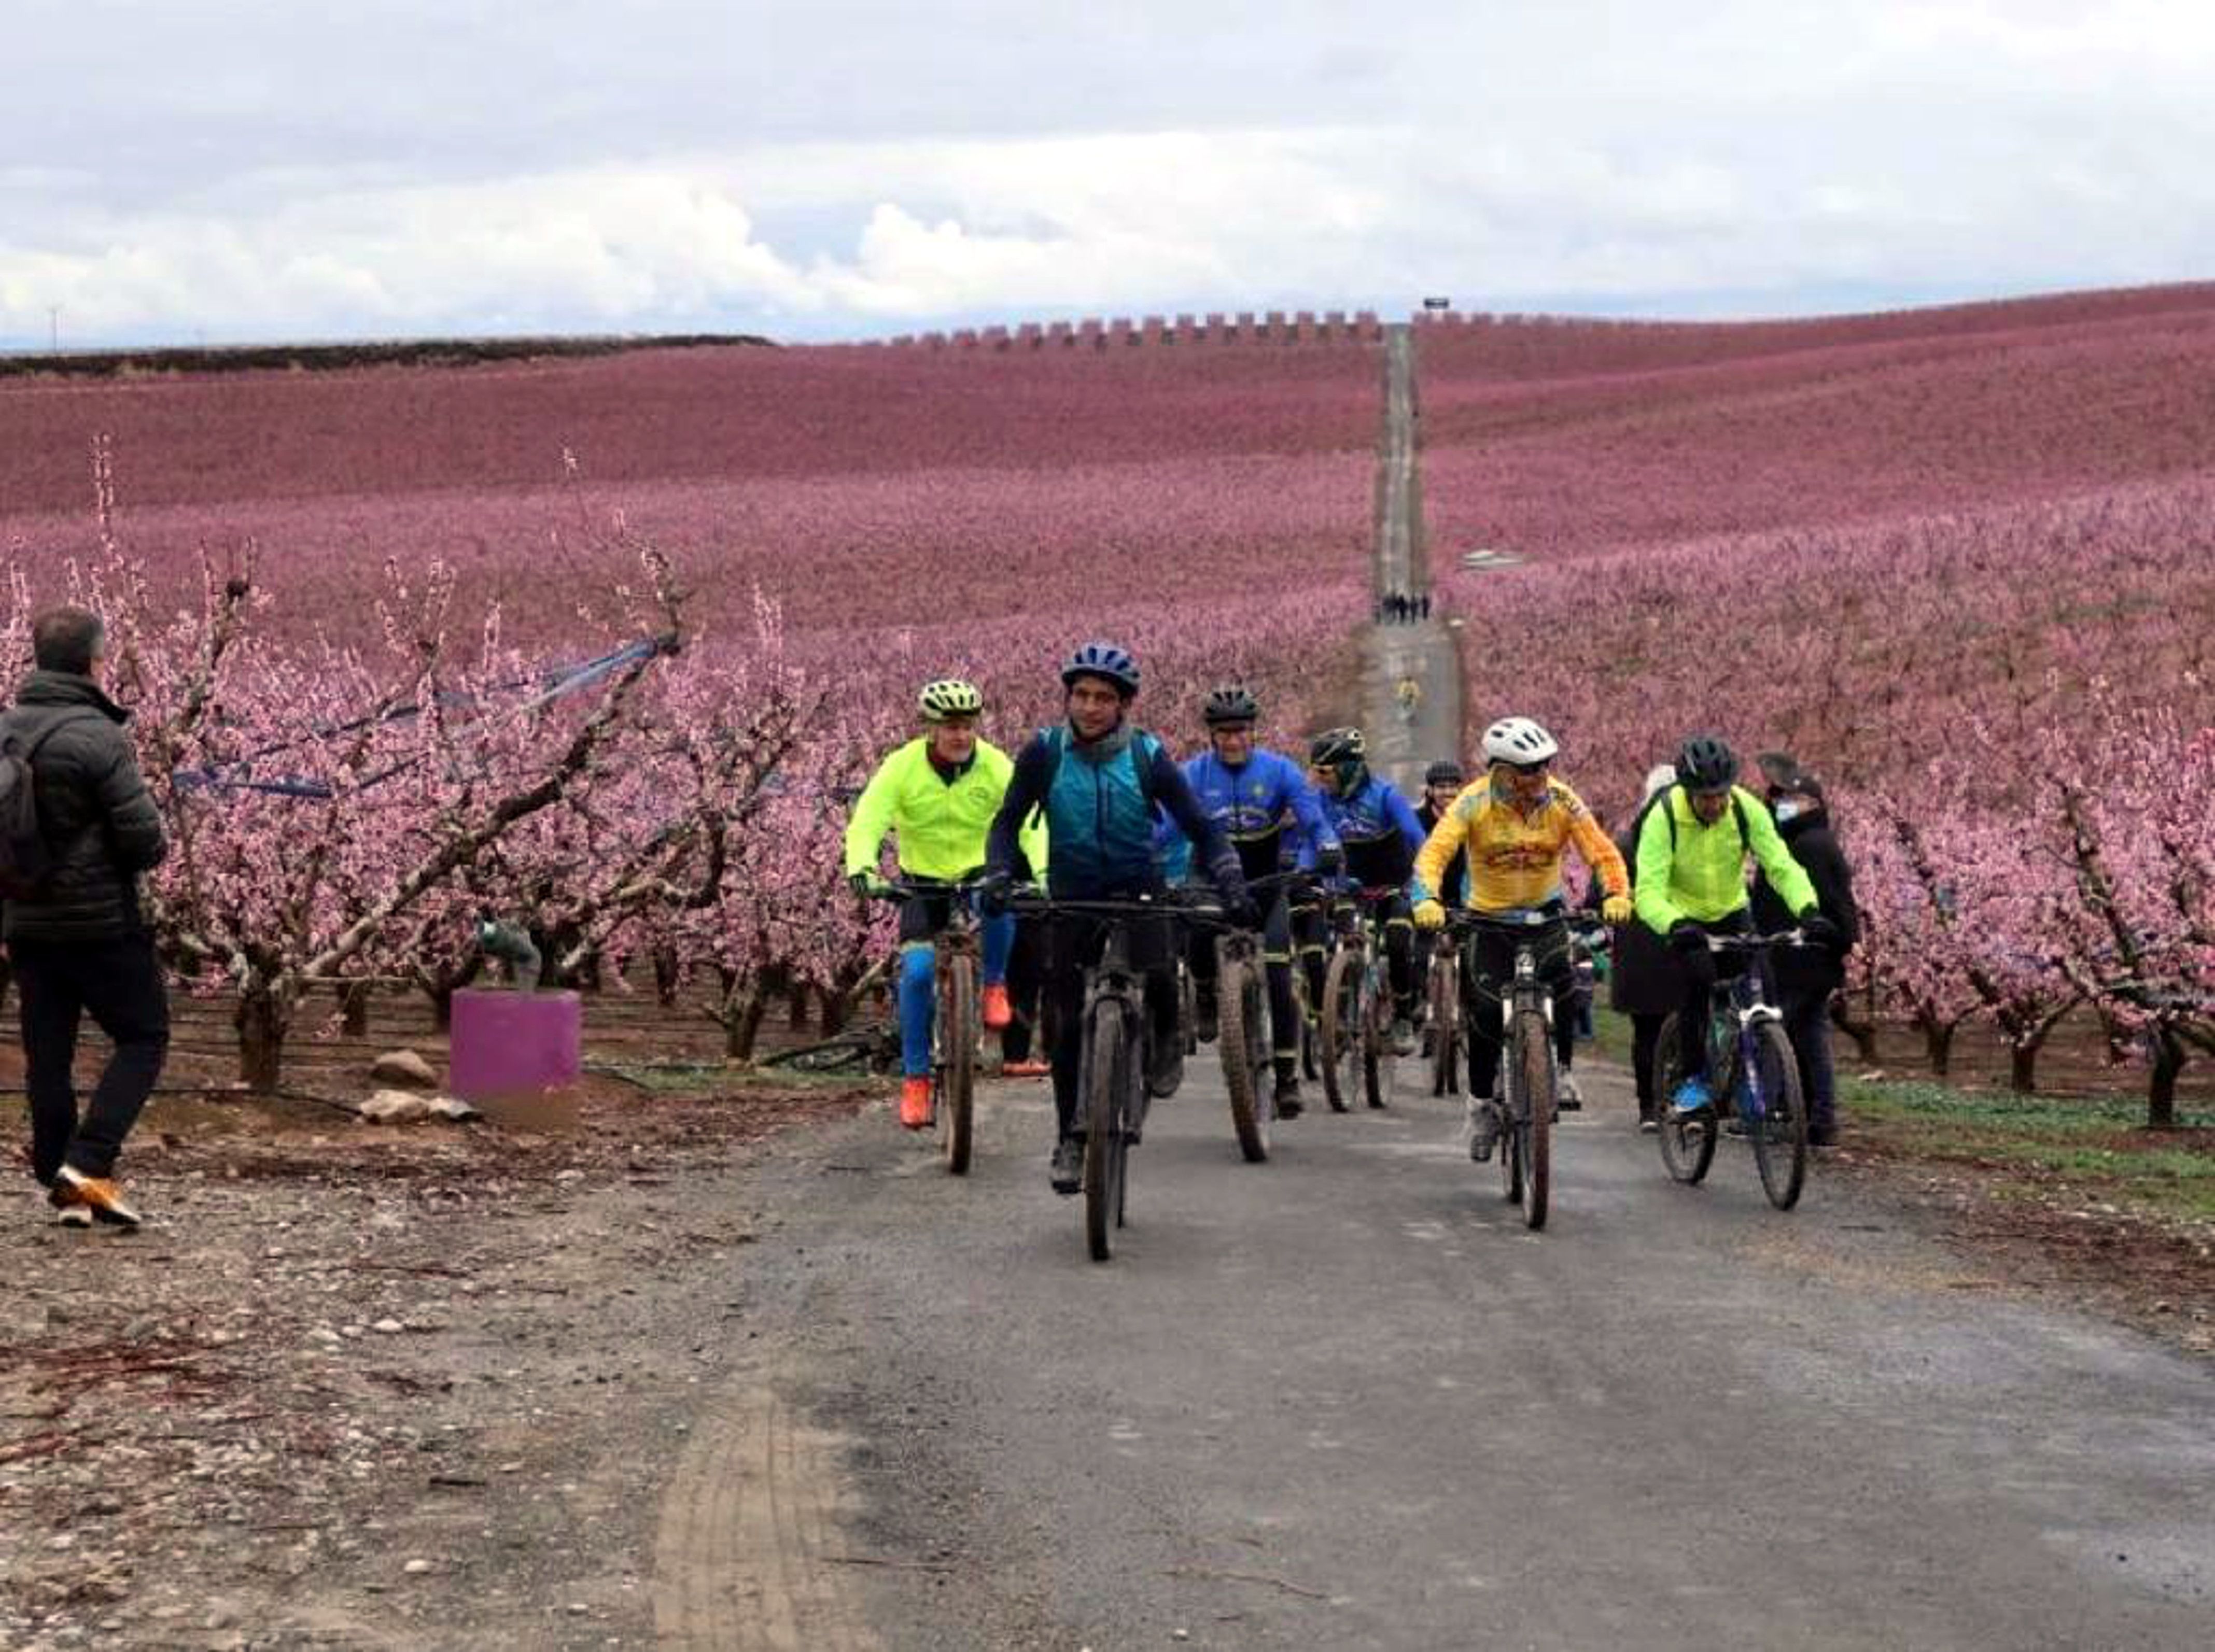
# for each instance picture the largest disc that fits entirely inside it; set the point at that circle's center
(1481, 1127)
(1567, 1096)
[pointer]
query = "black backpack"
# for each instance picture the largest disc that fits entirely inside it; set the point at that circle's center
(1660, 800)
(27, 859)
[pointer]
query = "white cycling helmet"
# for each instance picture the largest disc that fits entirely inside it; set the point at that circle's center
(1519, 741)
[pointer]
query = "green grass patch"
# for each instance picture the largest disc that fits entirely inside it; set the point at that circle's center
(2098, 1144)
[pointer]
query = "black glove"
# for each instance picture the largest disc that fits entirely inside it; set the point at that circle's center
(863, 884)
(1819, 931)
(1687, 937)
(1330, 861)
(994, 890)
(1230, 889)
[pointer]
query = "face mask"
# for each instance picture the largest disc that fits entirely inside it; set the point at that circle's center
(1788, 810)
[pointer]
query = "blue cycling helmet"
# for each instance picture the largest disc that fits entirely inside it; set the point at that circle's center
(1104, 660)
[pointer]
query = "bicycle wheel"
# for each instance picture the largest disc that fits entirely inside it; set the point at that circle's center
(1339, 1032)
(1445, 1025)
(957, 1066)
(1688, 1144)
(1534, 1130)
(1379, 1065)
(1110, 1063)
(1776, 1115)
(1240, 1042)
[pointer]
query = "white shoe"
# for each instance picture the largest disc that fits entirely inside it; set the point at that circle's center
(1567, 1096)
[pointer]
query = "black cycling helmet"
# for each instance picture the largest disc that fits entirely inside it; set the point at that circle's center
(1104, 660)
(1706, 765)
(1334, 747)
(1444, 772)
(1233, 702)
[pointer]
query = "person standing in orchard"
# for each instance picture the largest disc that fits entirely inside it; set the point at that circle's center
(937, 794)
(81, 829)
(1808, 977)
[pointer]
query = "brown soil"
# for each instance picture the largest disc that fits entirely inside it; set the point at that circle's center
(2049, 1233)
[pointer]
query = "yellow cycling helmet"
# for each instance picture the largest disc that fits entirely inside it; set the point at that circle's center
(949, 697)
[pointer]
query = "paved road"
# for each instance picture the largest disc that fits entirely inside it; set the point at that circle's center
(1344, 1400)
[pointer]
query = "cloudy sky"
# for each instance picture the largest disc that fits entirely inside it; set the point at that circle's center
(235, 170)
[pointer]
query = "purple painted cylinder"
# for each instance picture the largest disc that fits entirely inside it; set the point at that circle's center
(510, 1044)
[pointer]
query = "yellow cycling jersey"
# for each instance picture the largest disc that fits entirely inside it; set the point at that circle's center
(1514, 858)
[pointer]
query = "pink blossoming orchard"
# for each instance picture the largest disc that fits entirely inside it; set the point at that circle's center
(611, 642)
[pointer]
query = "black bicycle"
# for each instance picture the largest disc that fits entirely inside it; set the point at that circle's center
(1751, 1067)
(1526, 1096)
(1243, 1030)
(957, 1030)
(1118, 1042)
(1355, 1025)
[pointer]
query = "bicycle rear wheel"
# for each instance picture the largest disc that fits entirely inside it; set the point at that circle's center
(1110, 1065)
(1776, 1116)
(1445, 1025)
(1240, 1042)
(1339, 1030)
(957, 1066)
(1688, 1142)
(1534, 1130)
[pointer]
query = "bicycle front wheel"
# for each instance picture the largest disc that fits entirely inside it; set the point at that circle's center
(1688, 1140)
(1110, 1064)
(1776, 1115)
(1241, 1044)
(1533, 1129)
(1445, 1025)
(1340, 1029)
(957, 1066)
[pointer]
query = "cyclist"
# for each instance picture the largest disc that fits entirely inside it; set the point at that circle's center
(1096, 779)
(1692, 848)
(1408, 695)
(1513, 825)
(1377, 829)
(1250, 794)
(937, 794)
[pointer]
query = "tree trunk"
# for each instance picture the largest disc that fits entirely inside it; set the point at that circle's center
(262, 1018)
(2023, 1067)
(442, 1004)
(1937, 1043)
(742, 1019)
(1863, 1033)
(832, 1009)
(2161, 1089)
(795, 1006)
(667, 974)
(354, 1008)
(7, 979)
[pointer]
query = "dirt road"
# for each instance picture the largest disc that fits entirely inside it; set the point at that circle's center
(1344, 1400)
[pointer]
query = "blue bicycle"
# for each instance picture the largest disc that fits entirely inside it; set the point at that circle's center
(1751, 1069)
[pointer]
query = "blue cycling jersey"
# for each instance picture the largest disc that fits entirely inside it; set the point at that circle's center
(1249, 802)
(1378, 831)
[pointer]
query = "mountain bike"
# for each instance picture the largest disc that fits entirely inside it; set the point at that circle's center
(957, 1029)
(1525, 1093)
(1243, 1023)
(1354, 1031)
(1117, 1045)
(1750, 1063)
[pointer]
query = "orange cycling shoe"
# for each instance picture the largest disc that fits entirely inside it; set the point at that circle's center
(915, 1104)
(1024, 1070)
(997, 1011)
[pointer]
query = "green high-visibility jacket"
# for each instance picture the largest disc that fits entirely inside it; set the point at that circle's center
(940, 823)
(1700, 872)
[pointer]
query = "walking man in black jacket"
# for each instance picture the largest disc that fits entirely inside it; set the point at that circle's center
(1807, 975)
(78, 942)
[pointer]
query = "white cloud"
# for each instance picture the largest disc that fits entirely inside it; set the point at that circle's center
(409, 167)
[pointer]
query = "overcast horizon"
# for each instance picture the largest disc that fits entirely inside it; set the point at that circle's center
(244, 171)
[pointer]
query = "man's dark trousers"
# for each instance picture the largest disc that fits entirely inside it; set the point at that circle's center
(117, 981)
